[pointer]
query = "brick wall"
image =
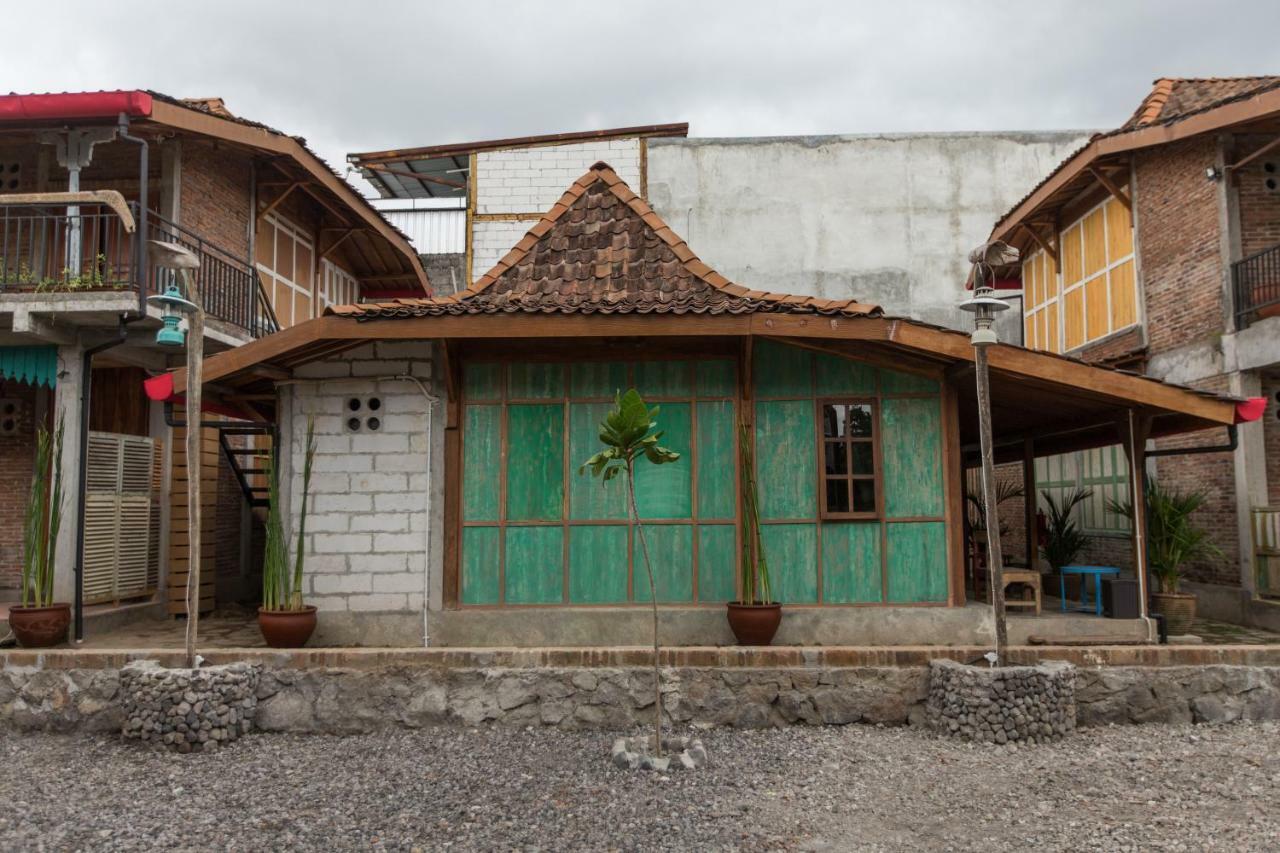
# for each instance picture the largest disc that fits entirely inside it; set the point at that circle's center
(16, 467)
(490, 240)
(1271, 436)
(1178, 235)
(215, 195)
(367, 522)
(530, 180)
(1259, 203)
(1124, 344)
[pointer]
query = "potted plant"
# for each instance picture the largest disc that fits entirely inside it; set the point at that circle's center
(285, 621)
(754, 618)
(1064, 540)
(629, 436)
(40, 622)
(1172, 541)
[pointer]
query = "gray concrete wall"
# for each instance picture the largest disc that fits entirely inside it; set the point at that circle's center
(885, 218)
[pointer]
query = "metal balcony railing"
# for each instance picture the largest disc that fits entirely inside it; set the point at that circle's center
(53, 247)
(1255, 282)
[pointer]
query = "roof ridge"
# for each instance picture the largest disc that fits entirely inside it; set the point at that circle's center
(1151, 106)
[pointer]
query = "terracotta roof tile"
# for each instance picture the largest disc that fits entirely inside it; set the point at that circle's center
(602, 249)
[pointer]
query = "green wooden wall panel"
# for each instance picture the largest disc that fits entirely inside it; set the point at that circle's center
(792, 552)
(671, 552)
(716, 378)
(664, 379)
(535, 461)
(534, 565)
(598, 564)
(851, 564)
(911, 447)
(480, 565)
(535, 381)
(842, 377)
(717, 562)
(717, 460)
(482, 381)
(897, 382)
(481, 462)
(917, 561)
(779, 370)
(666, 491)
(786, 462)
(598, 379)
(591, 498)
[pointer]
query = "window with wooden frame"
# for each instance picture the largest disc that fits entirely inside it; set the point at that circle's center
(849, 469)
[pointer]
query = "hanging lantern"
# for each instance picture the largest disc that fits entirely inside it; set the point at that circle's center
(172, 306)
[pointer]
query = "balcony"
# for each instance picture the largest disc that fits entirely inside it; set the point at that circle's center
(91, 247)
(1255, 283)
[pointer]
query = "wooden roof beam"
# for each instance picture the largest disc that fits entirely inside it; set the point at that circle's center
(1116, 193)
(1043, 244)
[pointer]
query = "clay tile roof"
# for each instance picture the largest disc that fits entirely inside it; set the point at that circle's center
(602, 249)
(1171, 99)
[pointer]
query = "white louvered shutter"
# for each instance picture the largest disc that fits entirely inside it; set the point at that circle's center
(121, 549)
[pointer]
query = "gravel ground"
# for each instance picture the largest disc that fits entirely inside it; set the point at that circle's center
(850, 788)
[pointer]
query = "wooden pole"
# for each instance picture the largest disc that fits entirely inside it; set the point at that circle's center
(995, 566)
(195, 361)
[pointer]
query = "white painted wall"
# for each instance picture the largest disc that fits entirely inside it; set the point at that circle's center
(530, 180)
(365, 545)
(887, 219)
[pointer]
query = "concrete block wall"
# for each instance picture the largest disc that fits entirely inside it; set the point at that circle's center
(530, 180)
(525, 182)
(366, 536)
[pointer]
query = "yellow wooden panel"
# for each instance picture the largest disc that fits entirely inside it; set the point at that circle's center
(1073, 317)
(1053, 343)
(1042, 318)
(1029, 324)
(1096, 316)
(303, 304)
(1031, 281)
(1095, 243)
(1124, 296)
(1119, 232)
(1071, 256)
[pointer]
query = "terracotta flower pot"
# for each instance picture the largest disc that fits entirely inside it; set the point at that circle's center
(1178, 609)
(287, 629)
(754, 624)
(40, 627)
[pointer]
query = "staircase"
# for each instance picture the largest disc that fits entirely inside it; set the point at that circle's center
(249, 459)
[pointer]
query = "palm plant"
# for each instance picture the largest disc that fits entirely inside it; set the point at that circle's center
(1172, 540)
(629, 435)
(43, 520)
(754, 569)
(1064, 539)
(282, 587)
(1006, 490)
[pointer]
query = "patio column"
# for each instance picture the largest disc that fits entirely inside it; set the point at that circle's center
(1134, 428)
(1029, 499)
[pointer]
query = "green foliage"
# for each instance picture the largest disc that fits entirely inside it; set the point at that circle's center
(43, 520)
(1006, 490)
(1064, 540)
(98, 276)
(1172, 540)
(754, 570)
(627, 433)
(282, 588)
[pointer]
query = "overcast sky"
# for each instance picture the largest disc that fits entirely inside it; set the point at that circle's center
(354, 76)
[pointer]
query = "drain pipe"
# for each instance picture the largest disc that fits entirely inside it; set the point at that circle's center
(431, 400)
(140, 250)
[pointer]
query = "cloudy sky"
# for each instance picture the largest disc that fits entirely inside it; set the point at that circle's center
(354, 76)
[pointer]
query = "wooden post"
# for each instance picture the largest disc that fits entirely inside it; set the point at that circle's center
(1134, 430)
(995, 567)
(1029, 499)
(195, 361)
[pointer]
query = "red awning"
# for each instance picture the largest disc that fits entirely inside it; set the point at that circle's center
(74, 105)
(160, 389)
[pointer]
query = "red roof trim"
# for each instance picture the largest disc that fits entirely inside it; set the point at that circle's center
(74, 105)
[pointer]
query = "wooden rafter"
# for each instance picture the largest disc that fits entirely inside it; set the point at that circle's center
(417, 176)
(278, 200)
(1240, 164)
(1116, 193)
(1043, 244)
(325, 253)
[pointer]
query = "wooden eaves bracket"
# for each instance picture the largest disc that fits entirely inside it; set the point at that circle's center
(1043, 244)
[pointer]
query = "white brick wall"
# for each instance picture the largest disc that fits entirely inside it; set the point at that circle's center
(492, 239)
(366, 528)
(529, 180)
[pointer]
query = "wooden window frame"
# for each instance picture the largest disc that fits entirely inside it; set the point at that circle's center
(825, 514)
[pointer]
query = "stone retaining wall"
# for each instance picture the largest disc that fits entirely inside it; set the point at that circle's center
(187, 710)
(343, 700)
(1019, 704)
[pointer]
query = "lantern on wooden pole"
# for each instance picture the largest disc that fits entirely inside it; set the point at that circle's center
(984, 306)
(173, 306)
